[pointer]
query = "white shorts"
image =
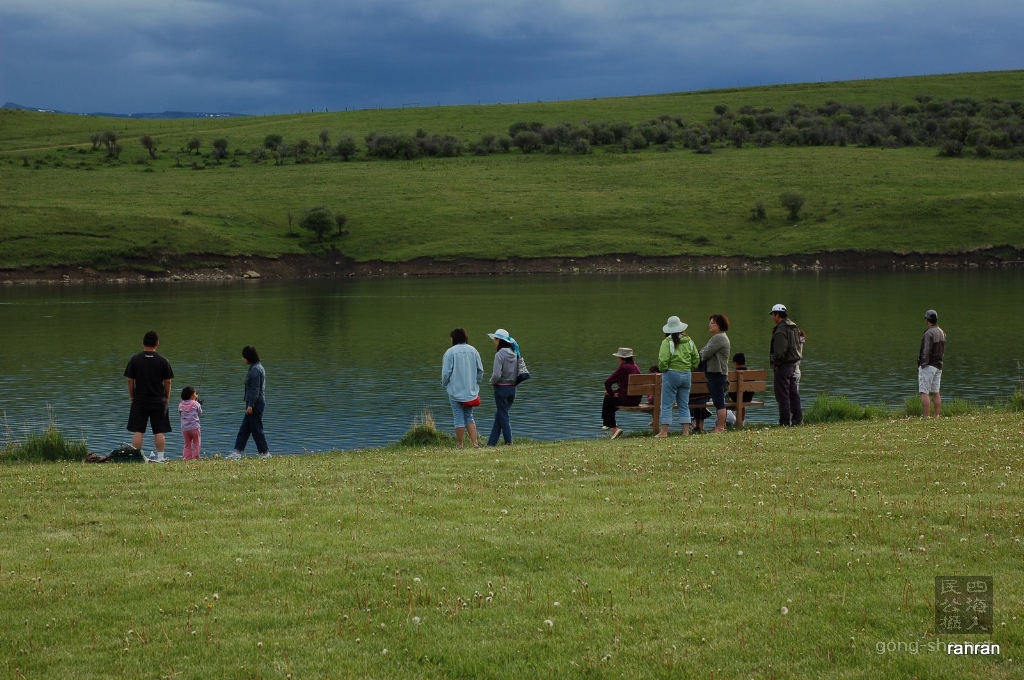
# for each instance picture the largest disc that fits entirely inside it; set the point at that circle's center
(928, 379)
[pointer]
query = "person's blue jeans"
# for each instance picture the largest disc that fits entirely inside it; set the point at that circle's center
(462, 415)
(675, 386)
(252, 424)
(504, 396)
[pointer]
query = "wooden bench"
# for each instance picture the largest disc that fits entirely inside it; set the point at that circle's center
(751, 380)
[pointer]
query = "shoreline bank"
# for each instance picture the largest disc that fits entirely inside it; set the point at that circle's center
(336, 265)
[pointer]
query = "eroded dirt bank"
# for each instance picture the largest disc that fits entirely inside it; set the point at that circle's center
(339, 266)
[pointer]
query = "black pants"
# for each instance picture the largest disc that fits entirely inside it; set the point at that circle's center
(608, 408)
(787, 394)
(252, 424)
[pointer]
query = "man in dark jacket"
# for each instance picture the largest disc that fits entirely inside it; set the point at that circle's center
(785, 353)
(929, 364)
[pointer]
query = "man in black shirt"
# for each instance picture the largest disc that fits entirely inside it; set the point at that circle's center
(149, 389)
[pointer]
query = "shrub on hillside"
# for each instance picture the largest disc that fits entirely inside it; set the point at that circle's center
(638, 141)
(952, 148)
(273, 141)
(149, 144)
(793, 203)
(345, 148)
(580, 147)
(515, 128)
(220, 149)
(320, 221)
(527, 141)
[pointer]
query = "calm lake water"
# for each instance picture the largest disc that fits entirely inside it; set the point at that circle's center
(351, 363)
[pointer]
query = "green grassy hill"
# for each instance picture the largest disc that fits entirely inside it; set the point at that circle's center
(61, 202)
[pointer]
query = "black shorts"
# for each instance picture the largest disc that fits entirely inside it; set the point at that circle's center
(154, 413)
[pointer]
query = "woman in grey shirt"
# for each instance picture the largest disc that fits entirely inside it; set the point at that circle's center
(716, 355)
(503, 377)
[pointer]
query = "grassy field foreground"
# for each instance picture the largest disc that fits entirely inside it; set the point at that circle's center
(767, 554)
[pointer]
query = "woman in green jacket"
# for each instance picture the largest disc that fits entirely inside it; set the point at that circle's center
(676, 358)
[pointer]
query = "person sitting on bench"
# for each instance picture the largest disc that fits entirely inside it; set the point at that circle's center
(615, 390)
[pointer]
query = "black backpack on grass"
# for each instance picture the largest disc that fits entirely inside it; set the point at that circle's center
(122, 454)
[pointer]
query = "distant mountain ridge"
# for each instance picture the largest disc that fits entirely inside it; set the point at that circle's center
(165, 114)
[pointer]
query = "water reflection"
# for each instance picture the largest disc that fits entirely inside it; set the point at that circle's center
(350, 363)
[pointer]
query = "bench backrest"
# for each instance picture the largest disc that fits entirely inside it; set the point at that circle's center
(750, 380)
(644, 383)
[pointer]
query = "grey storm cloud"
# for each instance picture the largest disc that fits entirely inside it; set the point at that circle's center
(257, 56)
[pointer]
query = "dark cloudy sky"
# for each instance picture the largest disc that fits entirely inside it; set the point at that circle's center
(276, 56)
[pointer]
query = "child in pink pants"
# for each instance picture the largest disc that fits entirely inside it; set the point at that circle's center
(190, 410)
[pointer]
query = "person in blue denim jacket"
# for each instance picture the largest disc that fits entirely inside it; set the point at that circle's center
(255, 403)
(461, 372)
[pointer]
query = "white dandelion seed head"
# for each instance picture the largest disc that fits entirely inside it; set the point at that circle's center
(549, 623)
(557, 604)
(416, 580)
(784, 610)
(416, 620)
(216, 596)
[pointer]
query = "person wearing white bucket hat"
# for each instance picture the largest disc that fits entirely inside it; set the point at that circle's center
(615, 390)
(503, 378)
(676, 358)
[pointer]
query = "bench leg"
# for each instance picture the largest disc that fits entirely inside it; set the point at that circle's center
(656, 416)
(740, 411)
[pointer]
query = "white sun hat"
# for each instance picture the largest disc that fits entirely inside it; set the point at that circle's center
(674, 325)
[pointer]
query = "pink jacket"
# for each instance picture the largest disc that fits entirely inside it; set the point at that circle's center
(190, 411)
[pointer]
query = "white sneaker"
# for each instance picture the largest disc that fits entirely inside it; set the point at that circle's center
(605, 427)
(265, 455)
(233, 456)
(616, 433)
(154, 457)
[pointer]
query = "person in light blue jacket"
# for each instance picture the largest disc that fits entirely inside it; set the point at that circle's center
(461, 372)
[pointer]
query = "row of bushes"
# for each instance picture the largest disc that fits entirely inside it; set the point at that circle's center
(994, 128)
